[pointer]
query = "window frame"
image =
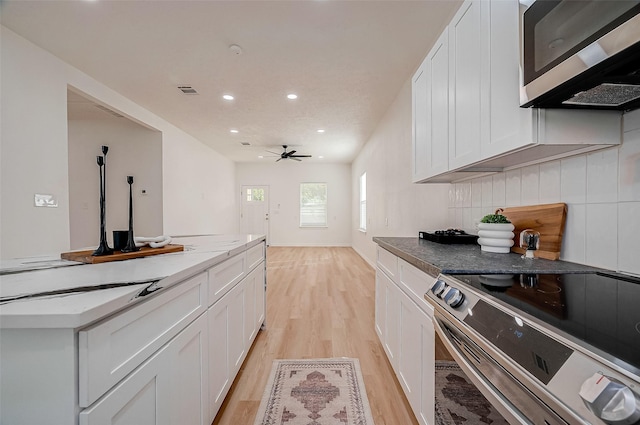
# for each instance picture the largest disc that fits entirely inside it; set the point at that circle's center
(326, 207)
(362, 205)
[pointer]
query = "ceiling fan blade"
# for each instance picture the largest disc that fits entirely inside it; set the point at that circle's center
(294, 158)
(278, 159)
(290, 153)
(275, 153)
(299, 156)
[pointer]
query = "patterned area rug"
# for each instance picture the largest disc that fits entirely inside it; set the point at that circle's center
(458, 401)
(315, 392)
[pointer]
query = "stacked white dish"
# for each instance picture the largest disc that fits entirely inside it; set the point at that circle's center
(495, 237)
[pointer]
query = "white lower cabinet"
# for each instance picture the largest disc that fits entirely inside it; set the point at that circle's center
(233, 321)
(169, 358)
(168, 388)
(389, 312)
(406, 332)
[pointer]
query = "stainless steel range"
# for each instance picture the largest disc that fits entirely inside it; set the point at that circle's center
(546, 349)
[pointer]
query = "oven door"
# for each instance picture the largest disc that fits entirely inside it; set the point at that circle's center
(512, 399)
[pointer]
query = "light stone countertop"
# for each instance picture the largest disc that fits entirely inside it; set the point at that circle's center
(78, 309)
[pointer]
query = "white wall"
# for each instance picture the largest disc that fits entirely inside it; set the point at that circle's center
(198, 183)
(283, 179)
(395, 206)
(133, 151)
(601, 190)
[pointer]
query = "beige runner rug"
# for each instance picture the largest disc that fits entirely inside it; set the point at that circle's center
(315, 392)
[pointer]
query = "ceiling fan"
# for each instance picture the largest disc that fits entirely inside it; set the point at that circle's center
(289, 155)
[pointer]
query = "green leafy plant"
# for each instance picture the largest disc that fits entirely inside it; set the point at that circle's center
(494, 218)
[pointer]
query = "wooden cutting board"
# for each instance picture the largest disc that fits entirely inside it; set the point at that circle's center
(86, 257)
(548, 219)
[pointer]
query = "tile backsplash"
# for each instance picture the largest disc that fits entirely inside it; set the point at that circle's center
(601, 190)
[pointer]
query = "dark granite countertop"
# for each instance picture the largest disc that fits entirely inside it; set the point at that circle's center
(434, 258)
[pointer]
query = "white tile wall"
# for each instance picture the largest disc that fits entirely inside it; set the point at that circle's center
(601, 190)
(530, 185)
(573, 180)
(602, 178)
(628, 247)
(601, 235)
(499, 190)
(629, 164)
(549, 182)
(513, 188)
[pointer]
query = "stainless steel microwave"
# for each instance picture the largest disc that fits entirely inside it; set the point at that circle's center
(580, 54)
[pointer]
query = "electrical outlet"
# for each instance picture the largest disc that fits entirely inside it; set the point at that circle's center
(45, 200)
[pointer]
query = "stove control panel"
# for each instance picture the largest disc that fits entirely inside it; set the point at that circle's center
(445, 293)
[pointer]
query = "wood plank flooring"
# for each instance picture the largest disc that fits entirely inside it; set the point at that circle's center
(320, 303)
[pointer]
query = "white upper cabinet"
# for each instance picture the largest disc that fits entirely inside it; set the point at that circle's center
(487, 129)
(430, 97)
(467, 53)
(509, 126)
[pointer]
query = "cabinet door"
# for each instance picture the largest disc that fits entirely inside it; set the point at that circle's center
(250, 328)
(141, 398)
(220, 371)
(381, 300)
(392, 310)
(467, 93)
(188, 365)
(261, 297)
(426, 411)
(170, 387)
(237, 346)
(511, 127)
(409, 351)
(430, 99)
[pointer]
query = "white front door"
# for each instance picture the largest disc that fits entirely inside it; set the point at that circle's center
(255, 210)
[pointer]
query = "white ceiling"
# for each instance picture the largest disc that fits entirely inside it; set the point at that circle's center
(346, 60)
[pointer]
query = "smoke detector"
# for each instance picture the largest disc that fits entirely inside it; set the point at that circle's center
(235, 49)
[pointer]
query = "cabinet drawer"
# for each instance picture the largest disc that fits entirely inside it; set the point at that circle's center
(110, 350)
(255, 256)
(225, 275)
(388, 263)
(415, 283)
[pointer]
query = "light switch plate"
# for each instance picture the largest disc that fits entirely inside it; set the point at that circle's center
(45, 200)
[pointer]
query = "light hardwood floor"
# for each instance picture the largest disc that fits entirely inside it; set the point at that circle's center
(320, 303)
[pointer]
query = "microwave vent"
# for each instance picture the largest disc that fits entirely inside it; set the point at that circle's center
(606, 94)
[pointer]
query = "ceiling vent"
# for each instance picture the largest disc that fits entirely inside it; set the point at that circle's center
(109, 111)
(245, 143)
(188, 90)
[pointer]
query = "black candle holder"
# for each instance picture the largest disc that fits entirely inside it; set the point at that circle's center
(103, 248)
(131, 244)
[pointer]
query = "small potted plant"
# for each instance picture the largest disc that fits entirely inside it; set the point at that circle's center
(495, 233)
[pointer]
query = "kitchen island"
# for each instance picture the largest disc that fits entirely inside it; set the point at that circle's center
(157, 339)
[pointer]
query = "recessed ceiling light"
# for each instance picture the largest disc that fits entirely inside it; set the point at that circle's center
(227, 97)
(320, 130)
(233, 130)
(321, 157)
(260, 156)
(292, 96)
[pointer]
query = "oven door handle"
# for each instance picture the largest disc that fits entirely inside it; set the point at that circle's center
(494, 397)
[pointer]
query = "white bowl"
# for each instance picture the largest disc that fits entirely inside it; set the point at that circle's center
(496, 242)
(496, 234)
(504, 227)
